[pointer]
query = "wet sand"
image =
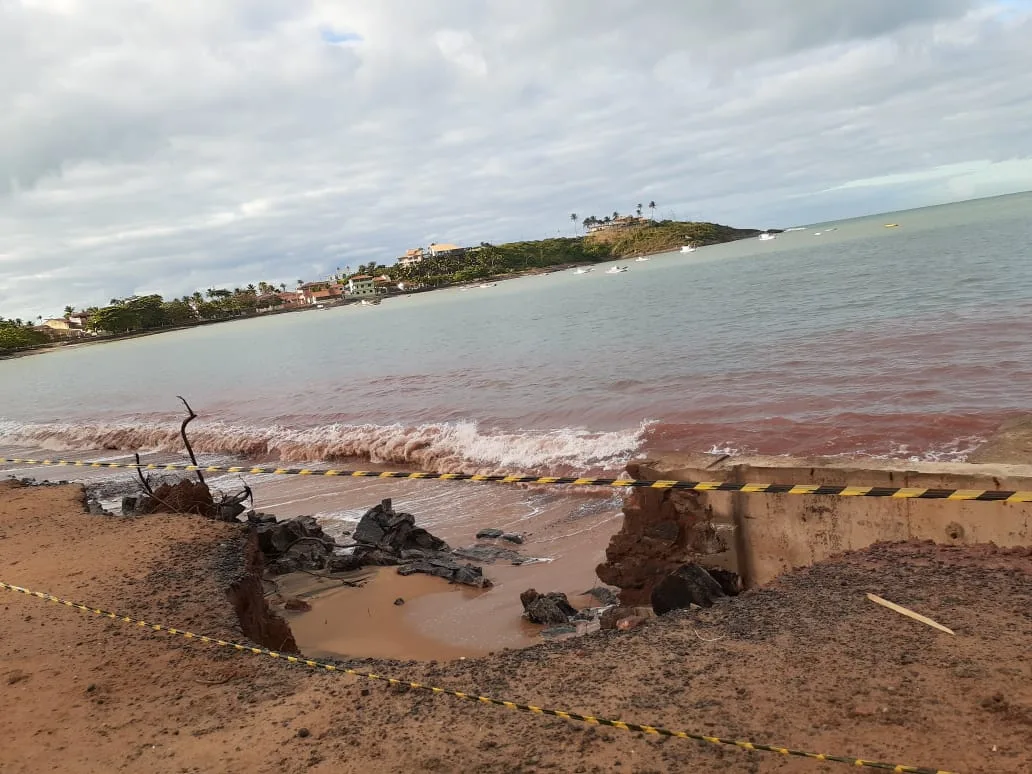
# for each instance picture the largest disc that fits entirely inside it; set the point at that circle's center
(366, 622)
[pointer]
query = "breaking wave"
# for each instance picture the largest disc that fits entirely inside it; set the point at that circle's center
(438, 447)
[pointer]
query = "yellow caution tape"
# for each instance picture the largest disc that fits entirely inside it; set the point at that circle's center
(589, 719)
(914, 493)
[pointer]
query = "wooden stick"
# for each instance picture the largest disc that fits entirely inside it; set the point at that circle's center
(908, 613)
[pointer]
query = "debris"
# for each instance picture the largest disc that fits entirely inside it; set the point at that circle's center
(489, 534)
(908, 613)
(513, 537)
(298, 605)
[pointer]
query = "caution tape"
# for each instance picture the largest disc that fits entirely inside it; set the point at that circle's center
(908, 493)
(589, 719)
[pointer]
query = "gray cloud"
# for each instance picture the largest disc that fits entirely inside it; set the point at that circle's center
(160, 146)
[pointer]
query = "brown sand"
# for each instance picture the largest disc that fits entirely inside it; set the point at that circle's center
(807, 662)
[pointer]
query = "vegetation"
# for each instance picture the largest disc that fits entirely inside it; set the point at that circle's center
(16, 335)
(490, 260)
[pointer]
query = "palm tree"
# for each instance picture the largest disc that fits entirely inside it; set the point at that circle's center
(615, 214)
(652, 206)
(283, 286)
(573, 219)
(68, 311)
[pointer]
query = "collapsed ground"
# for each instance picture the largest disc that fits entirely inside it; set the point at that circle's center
(807, 662)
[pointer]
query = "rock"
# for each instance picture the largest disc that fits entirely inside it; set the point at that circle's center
(399, 602)
(343, 562)
(689, 584)
(256, 517)
(551, 608)
(490, 554)
(183, 496)
(297, 604)
(444, 567)
(489, 534)
(630, 622)
(380, 527)
(303, 733)
(513, 537)
(129, 505)
(604, 595)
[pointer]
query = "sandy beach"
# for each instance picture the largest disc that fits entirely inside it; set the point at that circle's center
(805, 662)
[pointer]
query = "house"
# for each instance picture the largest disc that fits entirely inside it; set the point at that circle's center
(58, 324)
(440, 249)
(290, 298)
(327, 295)
(361, 286)
(317, 292)
(412, 257)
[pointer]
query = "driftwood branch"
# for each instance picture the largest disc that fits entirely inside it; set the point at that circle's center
(186, 439)
(143, 478)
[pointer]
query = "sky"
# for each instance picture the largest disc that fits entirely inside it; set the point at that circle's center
(150, 146)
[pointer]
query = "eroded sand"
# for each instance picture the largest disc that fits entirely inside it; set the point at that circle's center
(807, 662)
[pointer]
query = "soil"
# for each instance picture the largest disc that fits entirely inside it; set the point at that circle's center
(807, 662)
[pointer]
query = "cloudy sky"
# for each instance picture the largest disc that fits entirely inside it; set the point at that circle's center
(171, 146)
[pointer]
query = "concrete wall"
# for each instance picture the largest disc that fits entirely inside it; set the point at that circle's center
(773, 533)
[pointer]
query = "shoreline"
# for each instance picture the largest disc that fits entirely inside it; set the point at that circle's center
(53, 347)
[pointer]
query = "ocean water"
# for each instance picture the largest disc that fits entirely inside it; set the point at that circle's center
(913, 341)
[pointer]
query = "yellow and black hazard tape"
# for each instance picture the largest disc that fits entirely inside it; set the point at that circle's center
(589, 719)
(909, 493)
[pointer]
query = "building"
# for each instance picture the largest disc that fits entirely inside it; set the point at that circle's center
(625, 221)
(362, 286)
(412, 257)
(58, 324)
(328, 295)
(441, 249)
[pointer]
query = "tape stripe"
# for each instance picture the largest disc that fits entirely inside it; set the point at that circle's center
(913, 493)
(589, 719)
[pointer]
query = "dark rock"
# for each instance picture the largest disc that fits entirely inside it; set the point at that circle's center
(129, 505)
(730, 582)
(343, 562)
(604, 595)
(489, 534)
(297, 604)
(551, 608)
(443, 567)
(257, 517)
(689, 584)
(490, 554)
(380, 527)
(513, 537)
(399, 602)
(303, 733)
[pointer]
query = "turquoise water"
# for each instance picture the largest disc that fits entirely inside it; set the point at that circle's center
(914, 340)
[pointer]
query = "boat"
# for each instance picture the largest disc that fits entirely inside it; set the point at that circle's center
(688, 249)
(766, 235)
(892, 225)
(616, 270)
(582, 270)
(640, 259)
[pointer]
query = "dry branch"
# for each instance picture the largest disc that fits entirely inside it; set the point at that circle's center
(186, 439)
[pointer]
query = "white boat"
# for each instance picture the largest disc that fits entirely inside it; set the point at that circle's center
(688, 249)
(765, 236)
(640, 259)
(487, 284)
(582, 270)
(616, 270)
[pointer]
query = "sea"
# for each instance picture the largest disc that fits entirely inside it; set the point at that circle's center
(906, 334)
